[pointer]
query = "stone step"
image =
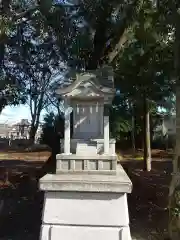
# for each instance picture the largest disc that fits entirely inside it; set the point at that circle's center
(86, 149)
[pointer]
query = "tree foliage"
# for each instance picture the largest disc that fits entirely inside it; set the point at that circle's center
(146, 64)
(12, 15)
(84, 35)
(89, 33)
(53, 130)
(144, 69)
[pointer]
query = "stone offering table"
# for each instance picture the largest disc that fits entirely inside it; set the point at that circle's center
(87, 197)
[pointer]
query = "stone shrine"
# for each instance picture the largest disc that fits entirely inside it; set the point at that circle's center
(87, 197)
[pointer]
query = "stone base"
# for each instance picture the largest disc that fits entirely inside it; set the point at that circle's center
(77, 163)
(79, 207)
(54, 232)
(79, 182)
(81, 215)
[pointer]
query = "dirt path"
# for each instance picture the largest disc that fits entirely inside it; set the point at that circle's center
(149, 199)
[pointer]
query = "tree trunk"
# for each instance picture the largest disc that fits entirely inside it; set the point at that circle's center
(174, 190)
(32, 134)
(146, 135)
(133, 130)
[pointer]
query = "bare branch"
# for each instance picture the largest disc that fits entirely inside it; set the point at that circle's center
(112, 55)
(121, 35)
(17, 16)
(31, 106)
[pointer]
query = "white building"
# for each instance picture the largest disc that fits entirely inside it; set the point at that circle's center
(169, 125)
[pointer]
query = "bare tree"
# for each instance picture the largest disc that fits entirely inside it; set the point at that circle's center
(40, 91)
(34, 61)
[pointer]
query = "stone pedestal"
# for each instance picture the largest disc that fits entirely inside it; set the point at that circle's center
(79, 207)
(95, 164)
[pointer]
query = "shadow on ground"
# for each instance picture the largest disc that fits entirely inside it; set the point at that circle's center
(149, 199)
(21, 201)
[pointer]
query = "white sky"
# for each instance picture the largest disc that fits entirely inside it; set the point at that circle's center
(13, 114)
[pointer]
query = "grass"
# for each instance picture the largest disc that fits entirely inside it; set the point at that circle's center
(155, 153)
(25, 156)
(129, 156)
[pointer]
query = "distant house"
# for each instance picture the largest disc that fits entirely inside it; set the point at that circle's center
(169, 125)
(17, 134)
(166, 131)
(20, 130)
(4, 130)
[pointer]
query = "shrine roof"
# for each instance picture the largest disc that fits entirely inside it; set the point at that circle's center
(101, 79)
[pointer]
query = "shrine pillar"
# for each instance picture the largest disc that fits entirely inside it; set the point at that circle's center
(106, 129)
(67, 128)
